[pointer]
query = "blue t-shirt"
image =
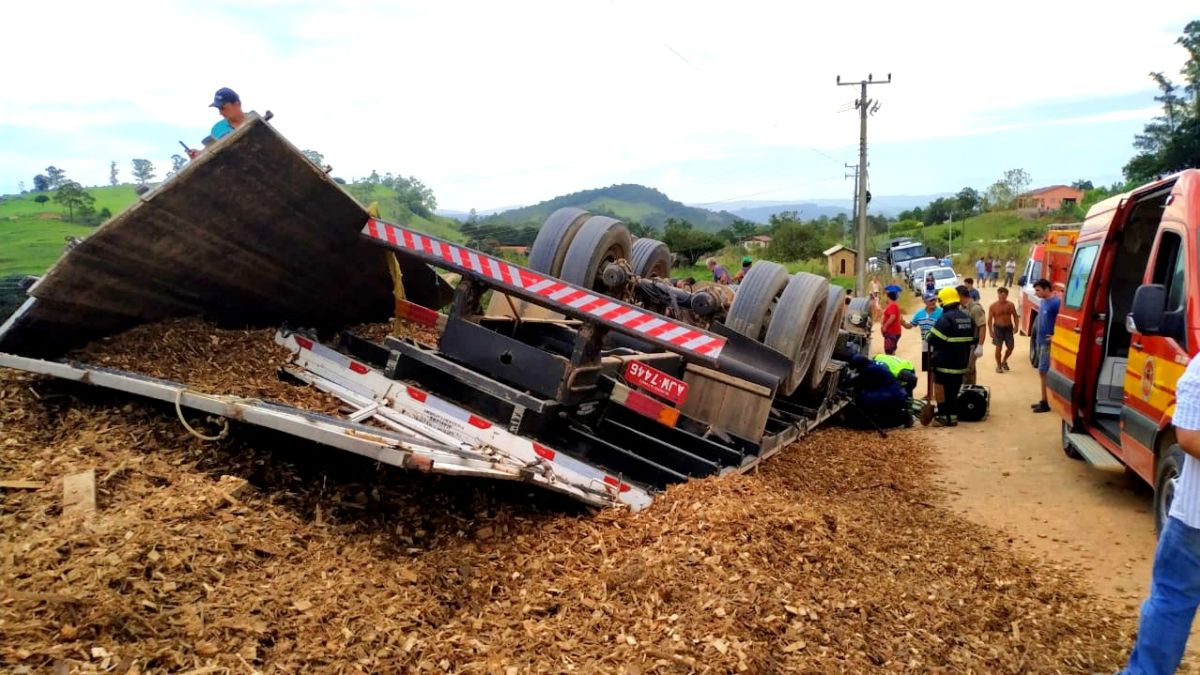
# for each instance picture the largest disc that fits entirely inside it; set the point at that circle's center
(1047, 315)
(222, 128)
(925, 321)
(979, 268)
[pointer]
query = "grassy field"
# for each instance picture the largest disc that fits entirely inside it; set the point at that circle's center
(32, 235)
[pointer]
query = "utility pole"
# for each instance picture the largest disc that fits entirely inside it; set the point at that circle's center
(865, 106)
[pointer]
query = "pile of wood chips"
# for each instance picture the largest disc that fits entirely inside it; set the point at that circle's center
(264, 553)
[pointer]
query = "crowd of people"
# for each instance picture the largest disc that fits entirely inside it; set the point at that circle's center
(988, 270)
(954, 328)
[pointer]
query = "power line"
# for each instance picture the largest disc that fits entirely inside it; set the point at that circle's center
(865, 107)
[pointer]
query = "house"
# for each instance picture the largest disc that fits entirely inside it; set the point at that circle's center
(841, 261)
(1050, 198)
(758, 241)
(518, 250)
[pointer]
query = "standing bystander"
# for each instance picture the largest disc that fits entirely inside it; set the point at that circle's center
(1002, 321)
(1010, 268)
(925, 319)
(1047, 315)
(975, 310)
(1175, 580)
(890, 324)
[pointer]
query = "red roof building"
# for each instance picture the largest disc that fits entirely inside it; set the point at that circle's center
(1049, 198)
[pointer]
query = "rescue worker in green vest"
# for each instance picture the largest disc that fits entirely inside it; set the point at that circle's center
(902, 369)
(951, 342)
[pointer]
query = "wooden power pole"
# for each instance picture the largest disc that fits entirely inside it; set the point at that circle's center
(865, 107)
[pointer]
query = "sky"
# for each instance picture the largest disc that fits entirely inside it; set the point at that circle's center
(500, 104)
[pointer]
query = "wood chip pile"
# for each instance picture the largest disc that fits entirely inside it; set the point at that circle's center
(208, 359)
(265, 554)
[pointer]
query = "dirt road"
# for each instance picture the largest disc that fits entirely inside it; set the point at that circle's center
(1010, 472)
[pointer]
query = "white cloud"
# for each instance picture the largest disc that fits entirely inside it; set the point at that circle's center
(502, 103)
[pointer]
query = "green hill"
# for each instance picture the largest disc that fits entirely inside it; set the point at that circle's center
(32, 235)
(628, 202)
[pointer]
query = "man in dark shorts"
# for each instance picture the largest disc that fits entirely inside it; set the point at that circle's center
(1045, 334)
(925, 320)
(1002, 321)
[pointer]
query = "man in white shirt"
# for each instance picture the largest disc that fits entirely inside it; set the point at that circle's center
(1167, 614)
(1010, 268)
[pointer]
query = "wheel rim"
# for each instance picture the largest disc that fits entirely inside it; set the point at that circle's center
(1168, 495)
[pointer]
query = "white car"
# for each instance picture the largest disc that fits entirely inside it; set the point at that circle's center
(917, 282)
(944, 277)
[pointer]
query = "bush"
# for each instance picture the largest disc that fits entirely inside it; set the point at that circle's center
(1031, 233)
(41, 199)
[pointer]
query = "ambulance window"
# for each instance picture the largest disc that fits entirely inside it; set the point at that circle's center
(1169, 270)
(1081, 270)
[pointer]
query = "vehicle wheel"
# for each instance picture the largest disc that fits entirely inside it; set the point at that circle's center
(1068, 449)
(1033, 345)
(1166, 474)
(599, 241)
(795, 326)
(755, 299)
(831, 323)
(858, 316)
(550, 246)
(650, 258)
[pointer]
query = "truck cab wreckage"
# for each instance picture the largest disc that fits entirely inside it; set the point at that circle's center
(589, 374)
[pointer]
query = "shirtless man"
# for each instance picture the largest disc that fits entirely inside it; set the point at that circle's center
(1002, 321)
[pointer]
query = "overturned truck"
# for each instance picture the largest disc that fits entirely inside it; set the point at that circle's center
(588, 374)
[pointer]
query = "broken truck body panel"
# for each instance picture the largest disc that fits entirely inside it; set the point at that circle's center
(249, 233)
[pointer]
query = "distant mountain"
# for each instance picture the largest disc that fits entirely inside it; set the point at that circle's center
(807, 211)
(627, 201)
(463, 215)
(761, 211)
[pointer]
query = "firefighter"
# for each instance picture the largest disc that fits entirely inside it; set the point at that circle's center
(951, 342)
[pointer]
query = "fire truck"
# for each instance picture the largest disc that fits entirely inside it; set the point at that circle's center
(1049, 259)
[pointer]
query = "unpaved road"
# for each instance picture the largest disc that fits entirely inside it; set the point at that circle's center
(1009, 472)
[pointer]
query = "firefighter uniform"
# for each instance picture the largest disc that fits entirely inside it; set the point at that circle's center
(951, 342)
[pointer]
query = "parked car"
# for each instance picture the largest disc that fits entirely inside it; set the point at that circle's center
(917, 282)
(944, 277)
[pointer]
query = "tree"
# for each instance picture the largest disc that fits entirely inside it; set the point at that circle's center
(143, 171)
(1017, 181)
(999, 196)
(966, 201)
(41, 183)
(688, 243)
(56, 176)
(314, 157)
(940, 210)
(112, 174)
(41, 199)
(1171, 141)
(413, 194)
(21, 186)
(792, 239)
(72, 196)
(177, 163)
(1083, 184)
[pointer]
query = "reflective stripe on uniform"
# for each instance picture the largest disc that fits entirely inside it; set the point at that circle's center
(942, 336)
(953, 371)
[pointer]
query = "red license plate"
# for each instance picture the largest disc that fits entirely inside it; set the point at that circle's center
(656, 382)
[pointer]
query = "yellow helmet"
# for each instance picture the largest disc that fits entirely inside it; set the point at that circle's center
(948, 295)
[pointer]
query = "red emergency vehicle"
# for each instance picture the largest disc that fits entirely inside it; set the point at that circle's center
(1049, 259)
(1129, 323)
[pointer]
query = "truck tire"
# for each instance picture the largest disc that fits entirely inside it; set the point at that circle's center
(831, 323)
(794, 328)
(1166, 473)
(550, 246)
(755, 299)
(599, 241)
(858, 316)
(650, 258)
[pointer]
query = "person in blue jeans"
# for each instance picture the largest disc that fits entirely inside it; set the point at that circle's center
(1047, 315)
(1167, 614)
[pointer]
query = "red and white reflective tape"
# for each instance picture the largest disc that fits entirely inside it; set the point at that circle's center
(561, 293)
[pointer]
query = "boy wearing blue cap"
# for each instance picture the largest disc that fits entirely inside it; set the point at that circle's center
(925, 319)
(227, 102)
